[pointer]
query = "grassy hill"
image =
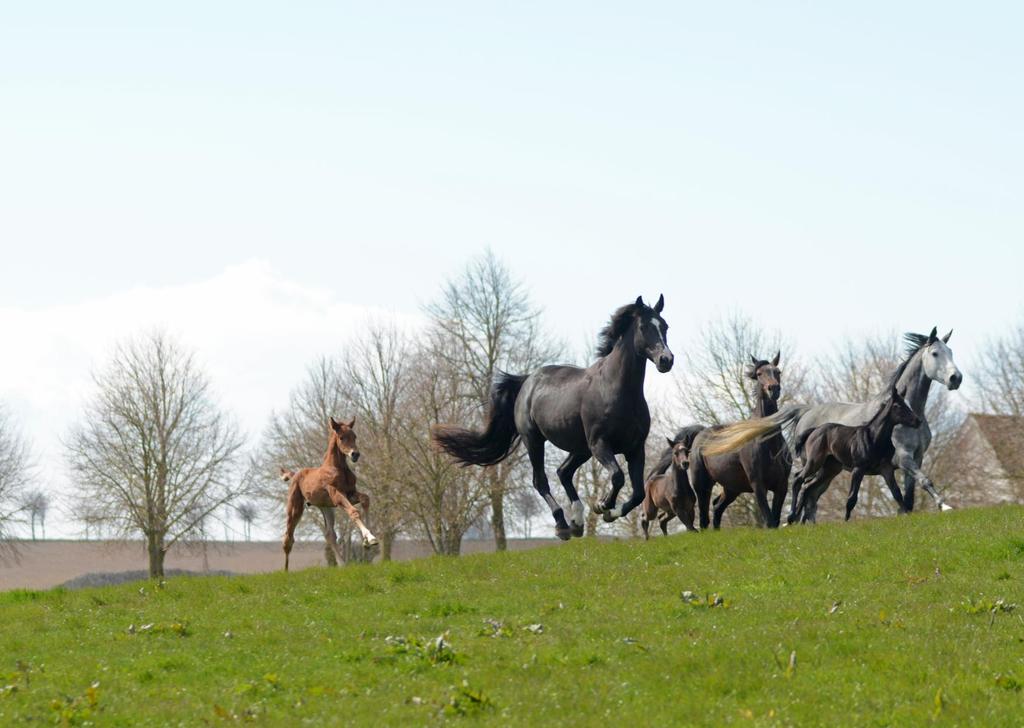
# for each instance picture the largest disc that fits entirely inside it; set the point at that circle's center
(887, 622)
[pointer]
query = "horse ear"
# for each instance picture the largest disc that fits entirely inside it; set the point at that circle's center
(945, 339)
(639, 300)
(777, 358)
(660, 304)
(753, 359)
(352, 423)
(671, 442)
(335, 425)
(934, 335)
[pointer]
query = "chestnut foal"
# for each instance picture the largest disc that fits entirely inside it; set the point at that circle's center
(669, 495)
(332, 485)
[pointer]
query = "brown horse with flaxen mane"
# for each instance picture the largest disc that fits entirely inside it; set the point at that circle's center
(330, 486)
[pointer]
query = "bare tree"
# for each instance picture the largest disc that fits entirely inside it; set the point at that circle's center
(36, 503)
(247, 513)
(997, 374)
(376, 374)
(15, 474)
(444, 500)
(714, 388)
(153, 454)
(489, 324)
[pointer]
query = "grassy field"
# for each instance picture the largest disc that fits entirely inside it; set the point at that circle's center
(889, 622)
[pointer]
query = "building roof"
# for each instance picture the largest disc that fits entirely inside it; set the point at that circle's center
(1005, 433)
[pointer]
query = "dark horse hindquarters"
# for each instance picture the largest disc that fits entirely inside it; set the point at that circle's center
(596, 412)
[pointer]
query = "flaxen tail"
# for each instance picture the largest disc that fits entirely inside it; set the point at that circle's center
(734, 436)
(498, 438)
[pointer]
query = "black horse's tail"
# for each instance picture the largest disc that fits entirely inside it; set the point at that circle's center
(684, 435)
(499, 436)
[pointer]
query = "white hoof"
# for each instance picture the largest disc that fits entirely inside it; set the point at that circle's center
(945, 507)
(370, 542)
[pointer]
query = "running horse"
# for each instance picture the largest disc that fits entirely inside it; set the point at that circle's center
(759, 467)
(599, 412)
(928, 359)
(330, 486)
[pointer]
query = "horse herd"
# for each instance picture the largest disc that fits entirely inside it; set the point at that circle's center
(600, 411)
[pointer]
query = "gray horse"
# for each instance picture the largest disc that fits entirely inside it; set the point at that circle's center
(928, 360)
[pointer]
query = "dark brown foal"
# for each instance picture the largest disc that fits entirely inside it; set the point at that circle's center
(669, 495)
(864, 450)
(332, 485)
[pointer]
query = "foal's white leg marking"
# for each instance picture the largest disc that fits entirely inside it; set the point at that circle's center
(615, 512)
(552, 503)
(576, 513)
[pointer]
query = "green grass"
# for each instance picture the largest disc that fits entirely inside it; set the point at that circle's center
(901, 621)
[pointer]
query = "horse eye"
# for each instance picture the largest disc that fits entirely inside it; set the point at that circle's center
(935, 353)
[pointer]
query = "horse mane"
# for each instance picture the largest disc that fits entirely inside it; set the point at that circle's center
(914, 344)
(617, 326)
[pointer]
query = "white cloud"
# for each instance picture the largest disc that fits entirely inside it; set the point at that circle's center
(253, 331)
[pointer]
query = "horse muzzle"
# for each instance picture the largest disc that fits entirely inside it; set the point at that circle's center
(955, 380)
(355, 455)
(664, 362)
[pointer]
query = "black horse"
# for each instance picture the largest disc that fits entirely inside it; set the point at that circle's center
(596, 412)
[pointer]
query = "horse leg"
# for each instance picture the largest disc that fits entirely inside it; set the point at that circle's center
(648, 512)
(700, 481)
(535, 449)
(911, 474)
(723, 502)
(778, 498)
(761, 496)
(604, 455)
(635, 464)
(829, 471)
(330, 534)
(886, 471)
(851, 501)
(566, 472)
(663, 522)
(294, 507)
(342, 501)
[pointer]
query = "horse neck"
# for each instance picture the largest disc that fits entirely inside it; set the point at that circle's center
(625, 365)
(915, 385)
(765, 406)
(880, 426)
(334, 457)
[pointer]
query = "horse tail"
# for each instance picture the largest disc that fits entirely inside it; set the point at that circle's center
(685, 435)
(498, 438)
(734, 436)
(286, 474)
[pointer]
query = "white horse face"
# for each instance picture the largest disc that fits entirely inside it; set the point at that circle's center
(937, 359)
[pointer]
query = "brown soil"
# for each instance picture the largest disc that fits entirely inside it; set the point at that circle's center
(46, 564)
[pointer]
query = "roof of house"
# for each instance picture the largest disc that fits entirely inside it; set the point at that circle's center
(1005, 433)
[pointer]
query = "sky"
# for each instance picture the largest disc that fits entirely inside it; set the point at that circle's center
(259, 178)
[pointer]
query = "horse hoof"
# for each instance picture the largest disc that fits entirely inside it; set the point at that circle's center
(369, 543)
(945, 507)
(577, 530)
(598, 508)
(607, 516)
(563, 533)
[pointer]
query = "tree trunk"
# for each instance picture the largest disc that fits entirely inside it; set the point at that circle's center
(329, 556)
(498, 513)
(156, 551)
(386, 542)
(33, 528)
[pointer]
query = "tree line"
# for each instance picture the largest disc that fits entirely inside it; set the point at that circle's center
(154, 456)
